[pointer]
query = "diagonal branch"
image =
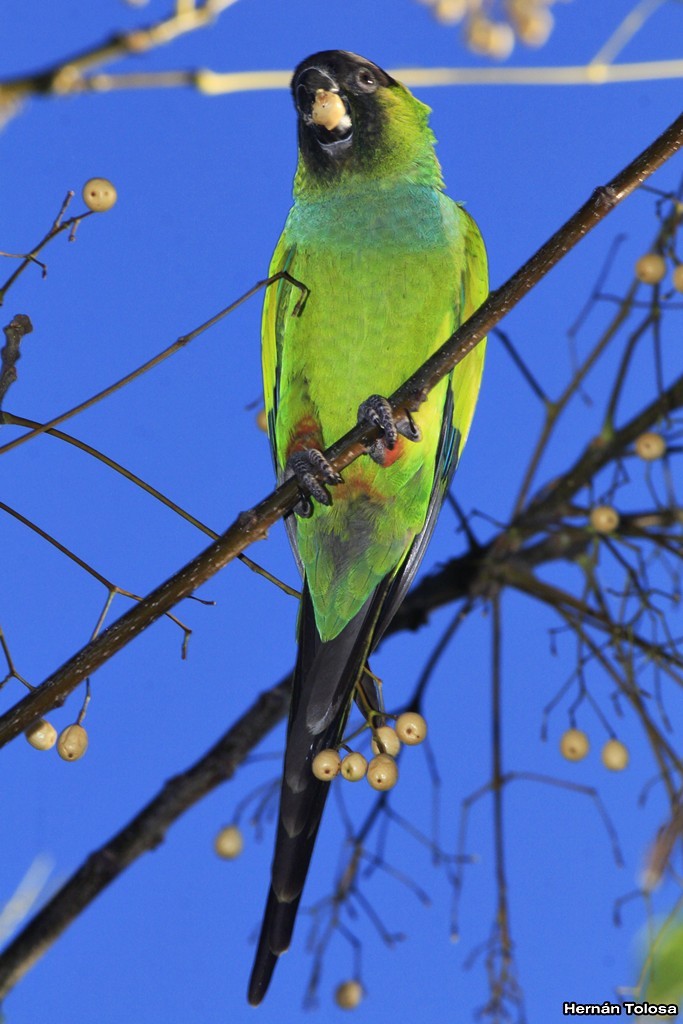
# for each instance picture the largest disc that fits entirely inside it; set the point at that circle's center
(253, 525)
(150, 364)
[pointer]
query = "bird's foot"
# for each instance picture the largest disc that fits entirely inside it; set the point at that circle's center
(306, 466)
(377, 411)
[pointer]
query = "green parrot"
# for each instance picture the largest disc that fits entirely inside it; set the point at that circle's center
(393, 267)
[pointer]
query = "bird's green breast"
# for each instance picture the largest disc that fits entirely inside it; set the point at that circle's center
(376, 214)
(383, 266)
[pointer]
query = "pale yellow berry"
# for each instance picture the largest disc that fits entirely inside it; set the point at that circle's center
(326, 765)
(520, 8)
(650, 446)
(354, 767)
(450, 12)
(478, 34)
(99, 195)
(574, 745)
(382, 772)
(262, 421)
(490, 38)
(604, 519)
(41, 735)
(614, 755)
(678, 278)
(72, 742)
(385, 741)
(411, 728)
(348, 995)
(651, 268)
(501, 41)
(534, 28)
(229, 842)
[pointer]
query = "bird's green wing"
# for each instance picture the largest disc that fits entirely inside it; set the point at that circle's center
(280, 300)
(277, 306)
(458, 410)
(466, 376)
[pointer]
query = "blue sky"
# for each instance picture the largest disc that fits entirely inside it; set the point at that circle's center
(204, 187)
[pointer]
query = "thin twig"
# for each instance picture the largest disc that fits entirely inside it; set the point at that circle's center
(179, 343)
(21, 421)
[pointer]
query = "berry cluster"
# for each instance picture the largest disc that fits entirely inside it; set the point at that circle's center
(574, 745)
(382, 771)
(651, 268)
(493, 35)
(72, 742)
(648, 446)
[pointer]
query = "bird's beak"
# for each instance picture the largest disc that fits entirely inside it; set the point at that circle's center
(323, 109)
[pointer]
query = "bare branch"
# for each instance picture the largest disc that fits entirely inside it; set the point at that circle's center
(10, 354)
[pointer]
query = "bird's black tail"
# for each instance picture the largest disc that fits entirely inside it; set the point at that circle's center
(324, 680)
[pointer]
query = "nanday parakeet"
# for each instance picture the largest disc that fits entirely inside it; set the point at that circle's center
(393, 267)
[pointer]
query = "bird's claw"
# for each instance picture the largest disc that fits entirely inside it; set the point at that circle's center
(306, 466)
(377, 411)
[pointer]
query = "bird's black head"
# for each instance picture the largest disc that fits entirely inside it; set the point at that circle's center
(338, 99)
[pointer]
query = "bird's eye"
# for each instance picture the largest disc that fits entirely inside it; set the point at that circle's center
(366, 80)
